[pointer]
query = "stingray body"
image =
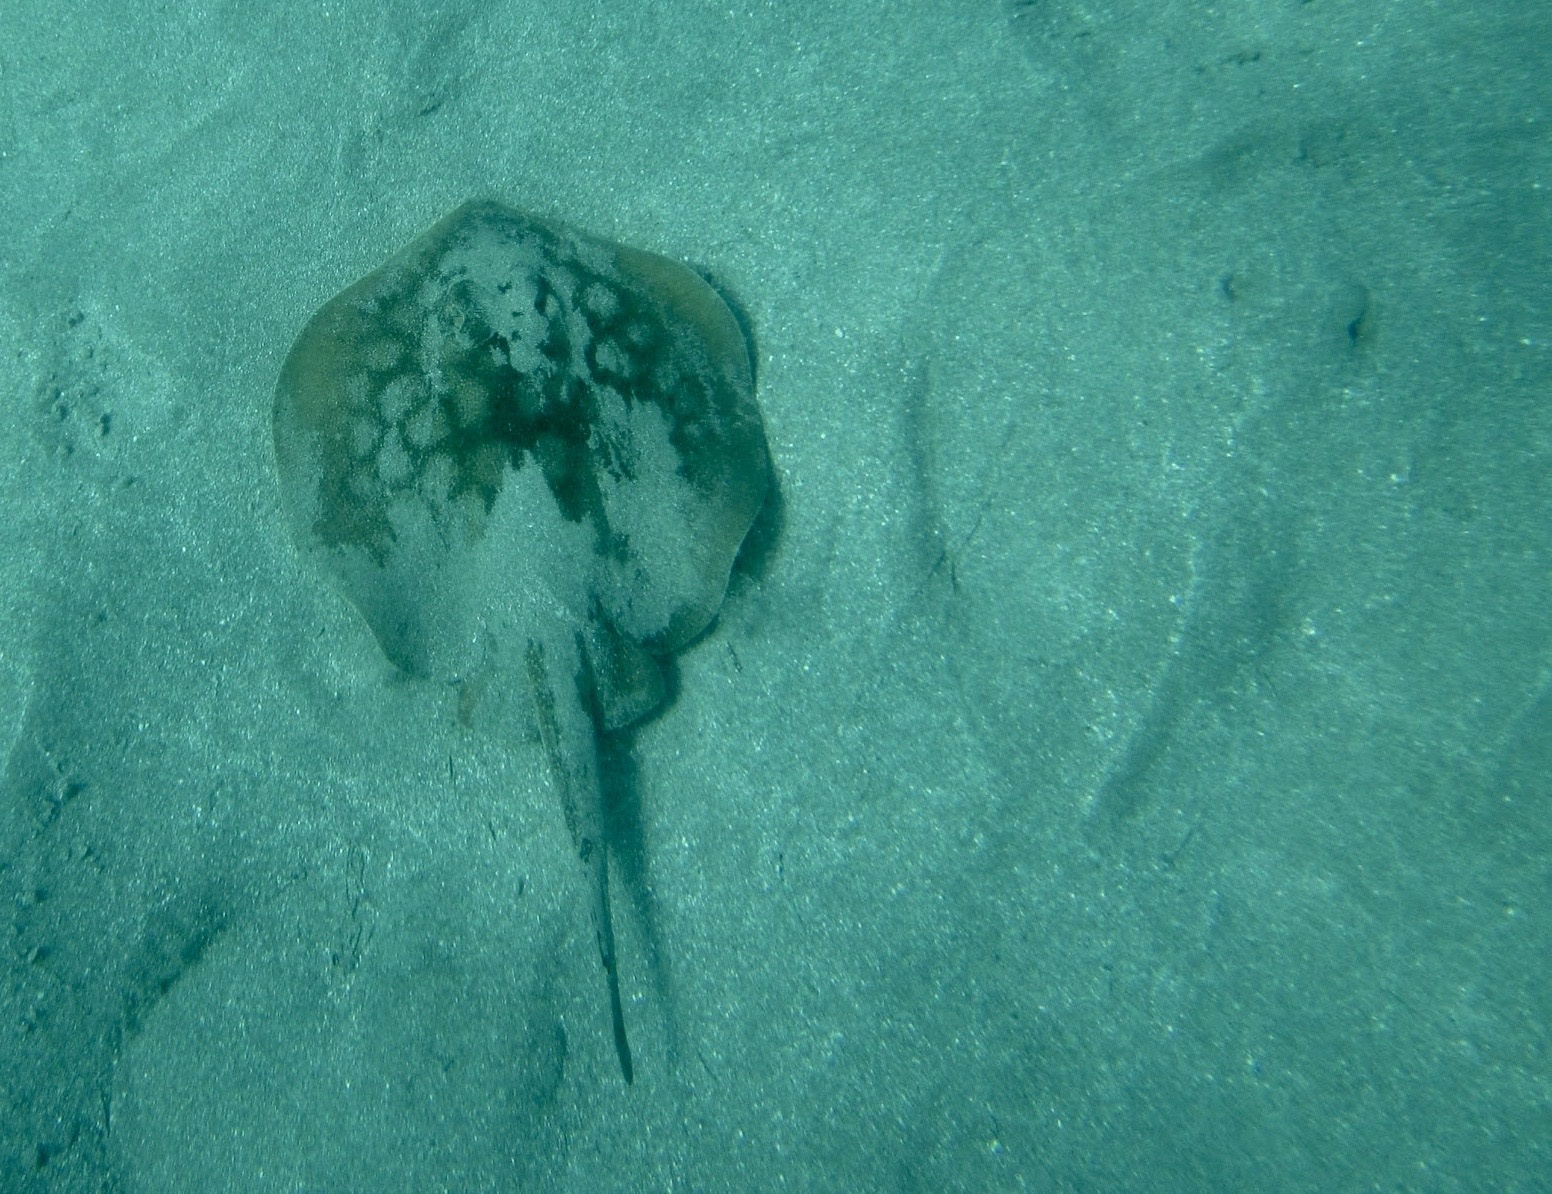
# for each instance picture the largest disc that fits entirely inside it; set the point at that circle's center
(528, 455)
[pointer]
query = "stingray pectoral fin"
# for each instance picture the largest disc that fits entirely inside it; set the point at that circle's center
(567, 727)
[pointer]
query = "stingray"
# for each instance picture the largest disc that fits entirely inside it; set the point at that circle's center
(528, 456)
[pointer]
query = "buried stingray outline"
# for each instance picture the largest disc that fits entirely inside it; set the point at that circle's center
(529, 455)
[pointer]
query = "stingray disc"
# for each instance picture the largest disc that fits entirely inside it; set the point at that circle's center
(512, 422)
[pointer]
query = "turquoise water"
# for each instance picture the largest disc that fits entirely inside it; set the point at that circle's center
(1121, 761)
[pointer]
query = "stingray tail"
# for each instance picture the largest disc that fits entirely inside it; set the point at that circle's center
(605, 931)
(568, 726)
